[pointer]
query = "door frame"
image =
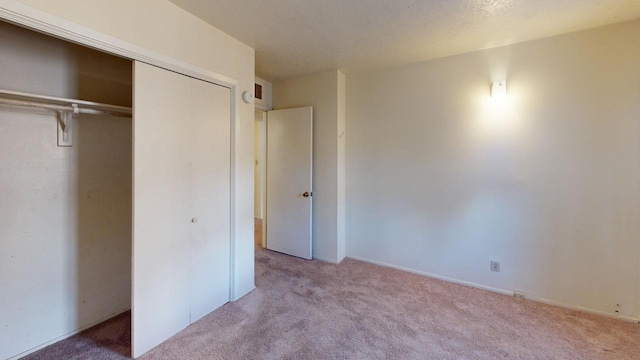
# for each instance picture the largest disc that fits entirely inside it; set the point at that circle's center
(24, 15)
(263, 172)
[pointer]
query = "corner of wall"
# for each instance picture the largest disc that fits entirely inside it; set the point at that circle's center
(341, 163)
(325, 91)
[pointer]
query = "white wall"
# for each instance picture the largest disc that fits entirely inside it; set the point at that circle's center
(320, 91)
(165, 28)
(65, 238)
(441, 179)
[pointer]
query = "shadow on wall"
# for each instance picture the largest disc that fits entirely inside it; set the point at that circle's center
(102, 164)
(102, 177)
(101, 77)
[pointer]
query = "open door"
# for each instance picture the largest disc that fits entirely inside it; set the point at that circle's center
(289, 181)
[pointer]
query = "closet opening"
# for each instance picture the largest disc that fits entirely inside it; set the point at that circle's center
(65, 193)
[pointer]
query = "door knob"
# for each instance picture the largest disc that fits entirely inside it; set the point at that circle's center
(306, 194)
(194, 220)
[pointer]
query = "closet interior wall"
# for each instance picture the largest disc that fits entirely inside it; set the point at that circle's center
(65, 212)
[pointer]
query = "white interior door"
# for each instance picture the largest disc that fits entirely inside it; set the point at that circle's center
(210, 197)
(181, 172)
(289, 181)
(160, 268)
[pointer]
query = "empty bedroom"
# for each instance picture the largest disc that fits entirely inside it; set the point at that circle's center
(237, 179)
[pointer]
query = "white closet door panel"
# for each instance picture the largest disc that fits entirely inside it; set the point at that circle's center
(160, 290)
(210, 197)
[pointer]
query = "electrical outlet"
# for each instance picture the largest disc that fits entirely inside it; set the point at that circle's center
(518, 294)
(495, 266)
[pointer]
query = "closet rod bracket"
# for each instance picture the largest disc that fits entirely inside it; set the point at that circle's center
(65, 126)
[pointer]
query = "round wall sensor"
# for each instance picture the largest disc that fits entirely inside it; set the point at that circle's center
(247, 96)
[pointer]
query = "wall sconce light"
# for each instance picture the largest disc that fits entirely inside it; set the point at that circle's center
(499, 89)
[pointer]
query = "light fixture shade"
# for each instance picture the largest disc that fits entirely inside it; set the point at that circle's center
(499, 89)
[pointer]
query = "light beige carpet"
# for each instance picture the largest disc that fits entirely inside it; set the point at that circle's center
(313, 310)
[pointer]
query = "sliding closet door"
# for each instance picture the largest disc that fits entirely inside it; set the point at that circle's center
(181, 247)
(161, 206)
(210, 197)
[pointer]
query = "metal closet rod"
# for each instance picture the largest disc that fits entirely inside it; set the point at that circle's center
(14, 98)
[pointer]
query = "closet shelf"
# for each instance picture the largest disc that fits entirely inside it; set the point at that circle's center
(65, 108)
(16, 98)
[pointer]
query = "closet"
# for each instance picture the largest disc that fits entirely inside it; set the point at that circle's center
(182, 143)
(65, 211)
(105, 208)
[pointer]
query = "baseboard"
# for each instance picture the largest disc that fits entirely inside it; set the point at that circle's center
(434, 276)
(582, 309)
(68, 335)
(529, 296)
(243, 294)
(325, 260)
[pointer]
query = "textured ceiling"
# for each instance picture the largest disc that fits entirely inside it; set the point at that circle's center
(296, 37)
